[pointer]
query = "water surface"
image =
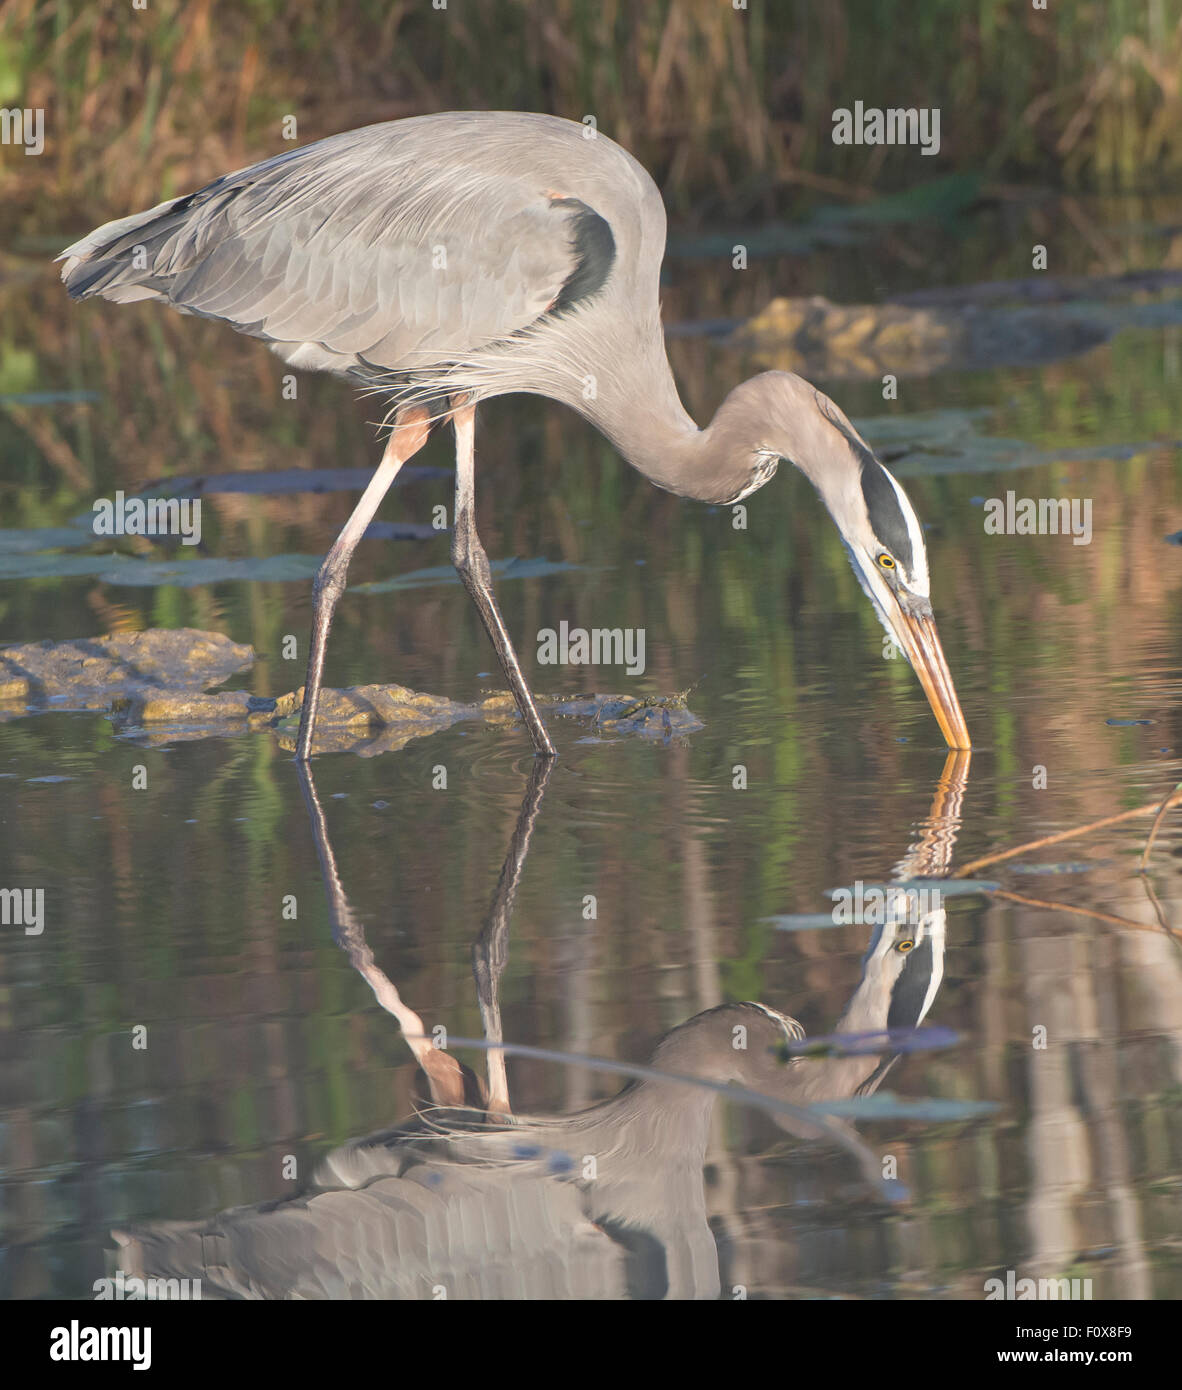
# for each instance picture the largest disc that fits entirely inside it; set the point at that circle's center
(195, 907)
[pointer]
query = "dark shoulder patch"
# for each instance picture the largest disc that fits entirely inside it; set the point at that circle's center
(886, 516)
(595, 254)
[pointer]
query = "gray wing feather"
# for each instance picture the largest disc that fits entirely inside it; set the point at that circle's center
(379, 245)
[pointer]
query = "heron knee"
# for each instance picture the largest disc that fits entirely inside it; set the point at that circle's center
(329, 583)
(467, 554)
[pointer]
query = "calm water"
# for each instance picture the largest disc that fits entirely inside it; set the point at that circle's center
(197, 908)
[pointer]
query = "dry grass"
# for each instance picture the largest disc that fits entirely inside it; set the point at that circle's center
(727, 107)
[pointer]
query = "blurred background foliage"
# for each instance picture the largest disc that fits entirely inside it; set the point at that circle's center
(728, 107)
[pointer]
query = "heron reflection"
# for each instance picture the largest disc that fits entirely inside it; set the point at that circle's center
(464, 1201)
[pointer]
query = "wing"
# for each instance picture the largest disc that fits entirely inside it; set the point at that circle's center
(397, 246)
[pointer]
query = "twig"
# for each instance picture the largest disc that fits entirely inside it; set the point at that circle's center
(1157, 907)
(1157, 820)
(1079, 911)
(967, 870)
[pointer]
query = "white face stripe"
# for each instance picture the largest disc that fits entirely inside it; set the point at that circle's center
(936, 924)
(920, 582)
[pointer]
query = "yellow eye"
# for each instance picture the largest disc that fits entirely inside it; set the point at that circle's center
(886, 562)
(904, 946)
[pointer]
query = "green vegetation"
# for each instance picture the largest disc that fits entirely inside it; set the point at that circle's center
(729, 108)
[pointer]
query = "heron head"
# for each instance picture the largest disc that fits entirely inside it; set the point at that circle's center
(877, 523)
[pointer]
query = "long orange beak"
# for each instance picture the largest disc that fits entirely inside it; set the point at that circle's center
(921, 644)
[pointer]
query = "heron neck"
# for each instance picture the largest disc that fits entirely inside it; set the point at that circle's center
(659, 438)
(684, 459)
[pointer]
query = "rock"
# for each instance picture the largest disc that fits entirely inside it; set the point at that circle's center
(183, 707)
(849, 341)
(154, 684)
(374, 706)
(93, 672)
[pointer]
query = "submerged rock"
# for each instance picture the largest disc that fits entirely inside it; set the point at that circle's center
(194, 710)
(851, 341)
(373, 719)
(93, 672)
(155, 684)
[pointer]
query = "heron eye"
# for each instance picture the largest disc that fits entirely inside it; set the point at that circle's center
(886, 562)
(904, 946)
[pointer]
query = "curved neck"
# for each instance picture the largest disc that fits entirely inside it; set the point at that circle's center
(638, 409)
(708, 465)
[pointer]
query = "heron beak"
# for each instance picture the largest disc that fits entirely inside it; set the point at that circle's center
(921, 645)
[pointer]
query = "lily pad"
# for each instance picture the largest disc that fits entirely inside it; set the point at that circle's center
(446, 574)
(190, 571)
(284, 480)
(183, 573)
(44, 538)
(1068, 868)
(47, 397)
(885, 1105)
(808, 921)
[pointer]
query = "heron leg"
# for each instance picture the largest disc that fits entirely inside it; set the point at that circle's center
(411, 428)
(472, 565)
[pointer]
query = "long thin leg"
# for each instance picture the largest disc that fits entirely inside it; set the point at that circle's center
(451, 1082)
(472, 563)
(411, 428)
(490, 954)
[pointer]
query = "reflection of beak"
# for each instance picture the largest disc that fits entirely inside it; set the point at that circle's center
(921, 644)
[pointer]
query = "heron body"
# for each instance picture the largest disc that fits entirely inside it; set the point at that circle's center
(447, 259)
(608, 1202)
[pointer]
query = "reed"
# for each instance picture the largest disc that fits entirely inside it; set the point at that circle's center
(729, 108)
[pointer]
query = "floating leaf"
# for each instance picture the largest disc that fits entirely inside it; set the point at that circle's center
(887, 1106)
(1052, 868)
(807, 921)
(445, 574)
(44, 538)
(46, 397)
(281, 480)
(181, 573)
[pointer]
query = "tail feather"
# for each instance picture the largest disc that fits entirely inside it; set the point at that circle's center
(134, 257)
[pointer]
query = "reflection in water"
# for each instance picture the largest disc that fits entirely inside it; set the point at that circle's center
(464, 1201)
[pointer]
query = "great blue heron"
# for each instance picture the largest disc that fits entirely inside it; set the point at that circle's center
(608, 1201)
(448, 259)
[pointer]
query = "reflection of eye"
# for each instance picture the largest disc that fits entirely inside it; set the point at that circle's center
(886, 562)
(904, 946)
